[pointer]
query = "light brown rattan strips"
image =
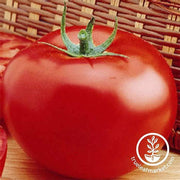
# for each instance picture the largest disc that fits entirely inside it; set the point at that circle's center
(157, 46)
(58, 12)
(142, 10)
(162, 31)
(27, 2)
(69, 13)
(158, 9)
(86, 15)
(140, 20)
(44, 3)
(27, 34)
(51, 10)
(3, 1)
(53, 21)
(139, 31)
(100, 22)
(112, 18)
(117, 9)
(70, 17)
(69, 22)
(172, 11)
(35, 22)
(125, 9)
(13, 10)
(33, 25)
(164, 21)
(9, 31)
(175, 57)
(76, 4)
(11, 23)
(106, 1)
(69, 4)
(42, 33)
(127, 1)
(131, 1)
(161, 42)
(167, 3)
(76, 23)
(174, 1)
(36, 11)
(89, 5)
(59, 2)
(168, 6)
(1, 14)
(131, 28)
(79, 14)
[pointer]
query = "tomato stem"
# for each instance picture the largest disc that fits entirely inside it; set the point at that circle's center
(83, 38)
(86, 47)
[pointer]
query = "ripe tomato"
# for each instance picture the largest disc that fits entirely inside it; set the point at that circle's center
(82, 117)
(3, 149)
(10, 45)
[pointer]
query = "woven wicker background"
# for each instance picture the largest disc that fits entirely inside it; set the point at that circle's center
(35, 18)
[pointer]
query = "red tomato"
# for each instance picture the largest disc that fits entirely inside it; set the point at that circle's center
(3, 149)
(10, 45)
(82, 117)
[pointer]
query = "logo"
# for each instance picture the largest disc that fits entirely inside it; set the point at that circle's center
(148, 150)
(152, 157)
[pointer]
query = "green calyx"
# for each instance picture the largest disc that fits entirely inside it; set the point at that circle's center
(86, 47)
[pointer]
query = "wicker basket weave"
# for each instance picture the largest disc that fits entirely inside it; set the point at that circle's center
(156, 21)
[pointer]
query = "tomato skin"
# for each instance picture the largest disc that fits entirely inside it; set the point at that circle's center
(10, 45)
(82, 117)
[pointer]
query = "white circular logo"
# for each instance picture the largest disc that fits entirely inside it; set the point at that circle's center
(151, 142)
